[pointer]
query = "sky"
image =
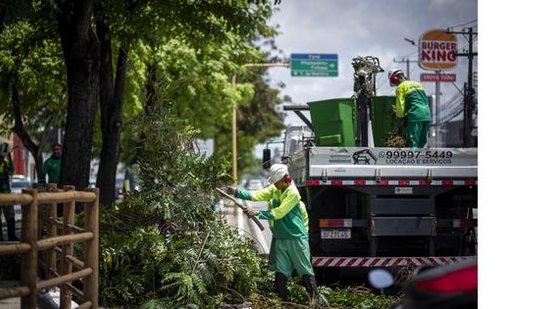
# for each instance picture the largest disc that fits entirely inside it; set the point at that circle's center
(514, 112)
(351, 28)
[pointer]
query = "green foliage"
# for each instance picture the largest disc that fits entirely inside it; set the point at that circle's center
(31, 62)
(334, 298)
(198, 82)
(356, 297)
(167, 245)
(154, 21)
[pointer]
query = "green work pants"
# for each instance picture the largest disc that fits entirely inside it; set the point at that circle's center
(289, 254)
(417, 133)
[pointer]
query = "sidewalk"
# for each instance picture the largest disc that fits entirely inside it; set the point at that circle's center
(15, 303)
(9, 303)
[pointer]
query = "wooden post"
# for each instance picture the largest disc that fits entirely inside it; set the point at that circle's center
(66, 267)
(52, 232)
(29, 260)
(91, 249)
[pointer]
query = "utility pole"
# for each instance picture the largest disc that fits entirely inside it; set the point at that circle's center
(438, 107)
(469, 91)
(407, 61)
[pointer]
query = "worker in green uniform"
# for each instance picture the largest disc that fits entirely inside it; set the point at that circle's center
(412, 108)
(52, 166)
(288, 221)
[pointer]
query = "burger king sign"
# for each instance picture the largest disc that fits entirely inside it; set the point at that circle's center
(437, 50)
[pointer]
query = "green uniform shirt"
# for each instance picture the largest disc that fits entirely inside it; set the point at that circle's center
(52, 167)
(286, 214)
(412, 101)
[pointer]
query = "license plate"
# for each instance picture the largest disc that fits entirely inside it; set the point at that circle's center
(403, 190)
(336, 234)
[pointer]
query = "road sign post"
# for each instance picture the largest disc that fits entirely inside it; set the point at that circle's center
(315, 65)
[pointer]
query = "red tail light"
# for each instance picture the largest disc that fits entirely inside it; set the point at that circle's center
(462, 280)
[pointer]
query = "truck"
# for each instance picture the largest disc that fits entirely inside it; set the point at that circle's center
(372, 205)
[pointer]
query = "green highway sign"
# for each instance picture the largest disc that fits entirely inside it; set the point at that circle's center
(315, 65)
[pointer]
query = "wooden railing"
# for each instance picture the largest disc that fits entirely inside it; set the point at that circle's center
(32, 242)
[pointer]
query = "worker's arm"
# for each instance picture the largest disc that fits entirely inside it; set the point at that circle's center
(400, 101)
(258, 195)
(288, 203)
(304, 215)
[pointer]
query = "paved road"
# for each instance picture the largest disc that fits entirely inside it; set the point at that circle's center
(246, 227)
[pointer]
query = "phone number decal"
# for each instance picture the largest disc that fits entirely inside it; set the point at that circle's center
(416, 157)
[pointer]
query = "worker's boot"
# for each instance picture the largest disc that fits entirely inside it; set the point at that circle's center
(281, 286)
(309, 283)
(11, 230)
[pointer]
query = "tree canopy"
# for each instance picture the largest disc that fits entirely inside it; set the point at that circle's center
(33, 89)
(70, 53)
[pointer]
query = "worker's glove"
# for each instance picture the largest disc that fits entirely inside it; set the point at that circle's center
(398, 123)
(251, 212)
(401, 122)
(230, 190)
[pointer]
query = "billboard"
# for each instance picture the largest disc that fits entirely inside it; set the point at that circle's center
(437, 50)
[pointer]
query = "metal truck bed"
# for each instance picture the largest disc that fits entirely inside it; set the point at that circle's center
(324, 163)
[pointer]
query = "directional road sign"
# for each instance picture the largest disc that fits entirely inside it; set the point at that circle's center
(315, 65)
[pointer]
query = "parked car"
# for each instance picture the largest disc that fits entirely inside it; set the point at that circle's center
(20, 182)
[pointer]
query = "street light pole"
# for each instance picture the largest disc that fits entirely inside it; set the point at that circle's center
(234, 114)
(234, 136)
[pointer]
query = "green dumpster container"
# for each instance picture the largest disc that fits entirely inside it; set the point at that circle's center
(383, 119)
(334, 122)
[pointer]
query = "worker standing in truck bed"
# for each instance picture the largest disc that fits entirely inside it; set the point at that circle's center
(412, 108)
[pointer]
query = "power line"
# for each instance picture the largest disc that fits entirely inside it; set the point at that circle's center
(464, 24)
(378, 86)
(469, 91)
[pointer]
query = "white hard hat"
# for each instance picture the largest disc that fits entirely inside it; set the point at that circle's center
(277, 171)
(393, 76)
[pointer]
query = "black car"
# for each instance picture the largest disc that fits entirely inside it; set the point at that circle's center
(452, 286)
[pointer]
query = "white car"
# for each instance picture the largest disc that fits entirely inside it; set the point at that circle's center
(254, 184)
(18, 183)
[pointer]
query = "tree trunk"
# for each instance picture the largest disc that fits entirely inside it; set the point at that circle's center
(21, 131)
(111, 99)
(150, 93)
(81, 51)
(150, 100)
